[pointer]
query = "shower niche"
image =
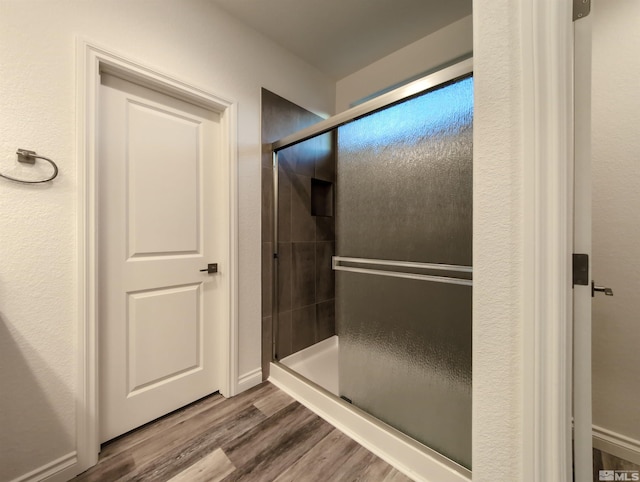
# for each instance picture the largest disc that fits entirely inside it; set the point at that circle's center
(385, 193)
(321, 198)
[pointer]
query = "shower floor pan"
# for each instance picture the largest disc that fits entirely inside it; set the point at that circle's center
(318, 363)
(311, 376)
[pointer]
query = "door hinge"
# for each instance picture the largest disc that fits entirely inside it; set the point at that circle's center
(581, 269)
(581, 9)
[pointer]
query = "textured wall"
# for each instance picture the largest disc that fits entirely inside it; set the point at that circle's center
(428, 53)
(497, 238)
(188, 39)
(616, 225)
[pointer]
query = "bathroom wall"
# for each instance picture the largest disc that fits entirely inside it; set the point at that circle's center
(452, 42)
(498, 212)
(187, 39)
(306, 242)
(616, 225)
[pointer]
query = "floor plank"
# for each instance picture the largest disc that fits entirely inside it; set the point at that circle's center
(356, 466)
(321, 461)
(395, 476)
(147, 431)
(273, 402)
(269, 449)
(260, 435)
(211, 468)
(191, 449)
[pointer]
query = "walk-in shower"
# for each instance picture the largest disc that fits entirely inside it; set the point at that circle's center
(372, 248)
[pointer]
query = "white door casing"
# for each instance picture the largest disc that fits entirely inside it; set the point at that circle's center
(547, 145)
(556, 145)
(582, 417)
(159, 171)
(92, 60)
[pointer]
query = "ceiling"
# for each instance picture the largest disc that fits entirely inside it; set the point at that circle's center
(340, 37)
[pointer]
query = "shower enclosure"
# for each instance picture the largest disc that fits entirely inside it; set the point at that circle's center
(372, 276)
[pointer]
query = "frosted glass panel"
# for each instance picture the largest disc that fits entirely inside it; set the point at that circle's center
(405, 177)
(404, 193)
(405, 356)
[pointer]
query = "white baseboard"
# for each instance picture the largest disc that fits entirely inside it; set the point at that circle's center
(616, 444)
(59, 470)
(249, 380)
(408, 456)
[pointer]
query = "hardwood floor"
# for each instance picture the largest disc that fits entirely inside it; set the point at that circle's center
(260, 435)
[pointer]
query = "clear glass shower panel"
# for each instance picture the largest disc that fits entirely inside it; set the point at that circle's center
(305, 309)
(404, 251)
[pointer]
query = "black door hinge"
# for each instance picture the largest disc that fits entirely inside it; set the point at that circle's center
(581, 9)
(581, 269)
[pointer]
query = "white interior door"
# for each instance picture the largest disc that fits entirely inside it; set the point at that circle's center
(160, 224)
(583, 432)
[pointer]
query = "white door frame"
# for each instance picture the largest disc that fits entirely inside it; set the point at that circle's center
(91, 60)
(582, 215)
(547, 138)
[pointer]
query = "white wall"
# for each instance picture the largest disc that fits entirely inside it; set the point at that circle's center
(616, 215)
(188, 39)
(497, 242)
(428, 53)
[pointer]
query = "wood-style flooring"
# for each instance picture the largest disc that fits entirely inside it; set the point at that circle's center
(260, 435)
(605, 461)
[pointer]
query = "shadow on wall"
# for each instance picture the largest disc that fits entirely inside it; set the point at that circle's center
(31, 431)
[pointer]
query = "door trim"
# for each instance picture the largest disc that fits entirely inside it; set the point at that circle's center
(583, 429)
(547, 143)
(91, 60)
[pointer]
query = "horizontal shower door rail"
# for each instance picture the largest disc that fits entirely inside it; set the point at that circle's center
(448, 74)
(367, 266)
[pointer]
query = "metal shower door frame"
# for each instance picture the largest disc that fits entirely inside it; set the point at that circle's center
(431, 81)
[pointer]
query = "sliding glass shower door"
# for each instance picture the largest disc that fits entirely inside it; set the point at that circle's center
(403, 266)
(372, 237)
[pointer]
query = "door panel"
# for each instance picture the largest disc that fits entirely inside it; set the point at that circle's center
(161, 322)
(157, 311)
(161, 224)
(405, 356)
(404, 246)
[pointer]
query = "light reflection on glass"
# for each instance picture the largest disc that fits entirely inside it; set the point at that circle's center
(442, 111)
(404, 193)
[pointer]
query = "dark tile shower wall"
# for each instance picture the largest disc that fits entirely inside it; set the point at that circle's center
(306, 308)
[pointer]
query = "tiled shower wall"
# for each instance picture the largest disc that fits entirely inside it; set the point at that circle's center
(306, 239)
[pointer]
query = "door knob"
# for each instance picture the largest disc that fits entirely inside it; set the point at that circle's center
(600, 289)
(211, 268)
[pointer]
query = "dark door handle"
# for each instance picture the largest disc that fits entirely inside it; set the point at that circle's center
(211, 268)
(600, 289)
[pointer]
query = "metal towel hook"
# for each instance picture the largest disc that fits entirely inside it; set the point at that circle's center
(29, 157)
